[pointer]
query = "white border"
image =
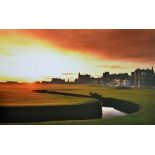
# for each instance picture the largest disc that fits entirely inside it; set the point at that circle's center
(77, 140)
(69, 14)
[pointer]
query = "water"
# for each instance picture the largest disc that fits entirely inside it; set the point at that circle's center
(109, 112)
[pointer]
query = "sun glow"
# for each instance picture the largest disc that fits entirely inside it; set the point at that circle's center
(37, 62)
(24, 58)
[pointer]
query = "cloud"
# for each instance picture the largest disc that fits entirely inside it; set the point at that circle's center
(133, 45)
(69, 74)
(112, 67)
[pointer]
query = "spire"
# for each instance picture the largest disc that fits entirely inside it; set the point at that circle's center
(79, 74)
(152, 68)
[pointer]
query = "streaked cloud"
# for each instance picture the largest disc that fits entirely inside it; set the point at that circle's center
(112, 67)
(69, 74)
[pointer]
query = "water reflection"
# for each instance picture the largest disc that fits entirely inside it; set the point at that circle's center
(109, 112)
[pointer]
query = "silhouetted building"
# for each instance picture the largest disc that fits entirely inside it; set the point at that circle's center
(58, 81)
(83, 79)
(12, 82)
(68, 81)
(138, 78)
(45, 82)
(38, 82)
(143, 78)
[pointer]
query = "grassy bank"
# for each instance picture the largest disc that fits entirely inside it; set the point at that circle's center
(121, 105)
(86, 110)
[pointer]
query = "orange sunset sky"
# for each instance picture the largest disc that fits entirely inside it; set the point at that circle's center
(30, 55)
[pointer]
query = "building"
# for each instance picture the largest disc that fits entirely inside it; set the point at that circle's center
(116, 79)
(83, 79)
(106, 78)
(58, 81)
(120, 83)
(126, 83)
(96, 80)
(143, 78)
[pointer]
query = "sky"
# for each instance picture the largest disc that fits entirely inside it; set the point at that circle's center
(32, 55)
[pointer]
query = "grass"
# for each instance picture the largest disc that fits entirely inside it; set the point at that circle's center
(144, 97)
(23, 95)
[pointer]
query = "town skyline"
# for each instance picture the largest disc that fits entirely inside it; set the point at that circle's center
(31, 55)
(137, 78)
